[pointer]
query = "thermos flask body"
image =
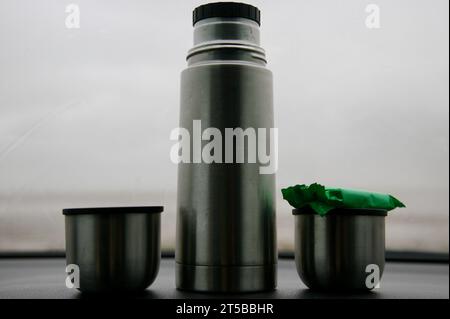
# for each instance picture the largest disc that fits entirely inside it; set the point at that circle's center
(226, 234)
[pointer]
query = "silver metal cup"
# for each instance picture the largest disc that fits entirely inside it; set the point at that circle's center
(115, 249)
(344, 250)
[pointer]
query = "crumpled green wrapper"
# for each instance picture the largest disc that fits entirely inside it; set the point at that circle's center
(322, 199)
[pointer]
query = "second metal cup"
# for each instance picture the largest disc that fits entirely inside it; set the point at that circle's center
(344, 250)
(114, 249)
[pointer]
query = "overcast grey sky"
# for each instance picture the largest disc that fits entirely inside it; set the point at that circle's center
(89, 111)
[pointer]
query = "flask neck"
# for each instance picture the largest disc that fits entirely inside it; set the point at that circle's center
(232, 39)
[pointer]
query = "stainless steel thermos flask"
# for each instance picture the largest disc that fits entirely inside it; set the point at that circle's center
(226, 233)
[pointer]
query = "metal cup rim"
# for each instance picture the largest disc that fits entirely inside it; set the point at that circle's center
(342, 211)
(114, 210)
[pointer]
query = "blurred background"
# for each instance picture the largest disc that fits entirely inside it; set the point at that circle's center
(86, 113)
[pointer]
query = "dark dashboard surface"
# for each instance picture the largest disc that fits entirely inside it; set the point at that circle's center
(45, 278)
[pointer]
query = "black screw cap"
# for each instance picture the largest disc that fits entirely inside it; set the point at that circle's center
(226, 10)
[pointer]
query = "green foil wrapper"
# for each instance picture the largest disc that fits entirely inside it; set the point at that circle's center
(322, 199)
